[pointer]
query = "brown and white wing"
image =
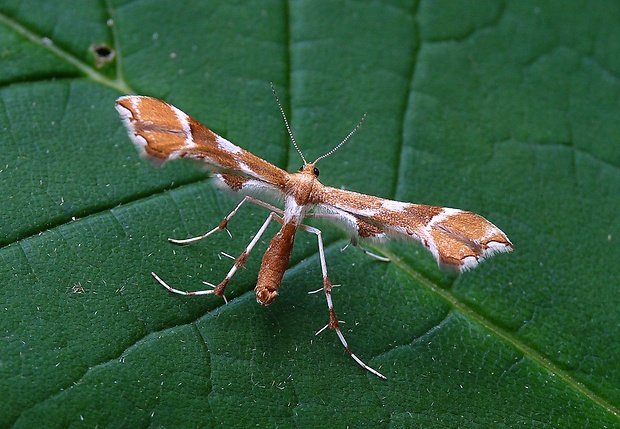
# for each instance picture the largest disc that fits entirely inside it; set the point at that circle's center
(457, 239)
(163, 133)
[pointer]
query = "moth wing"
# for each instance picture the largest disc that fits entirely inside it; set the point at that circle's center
(162, 132)
(457, 239)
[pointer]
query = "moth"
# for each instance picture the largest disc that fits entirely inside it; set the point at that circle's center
(458, 239)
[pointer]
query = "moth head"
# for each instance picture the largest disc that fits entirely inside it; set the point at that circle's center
(309, 169)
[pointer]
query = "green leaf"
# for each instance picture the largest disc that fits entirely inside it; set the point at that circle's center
(506, 109)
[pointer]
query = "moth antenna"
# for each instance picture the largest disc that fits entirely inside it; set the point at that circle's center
(288, 128)
(357, 127)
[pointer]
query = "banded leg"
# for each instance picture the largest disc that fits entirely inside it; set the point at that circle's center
(224, 223)
(239, 261)
(353, 241)
(327, 288)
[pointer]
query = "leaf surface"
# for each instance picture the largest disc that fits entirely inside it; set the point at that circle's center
(507, 109)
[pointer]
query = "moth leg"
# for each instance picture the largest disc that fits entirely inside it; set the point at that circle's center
(356, 225)
(355, 243)
(224, 223)
(239, 262)
(327, 288)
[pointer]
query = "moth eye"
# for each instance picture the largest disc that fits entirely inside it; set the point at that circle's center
(316, 172)
(300, 168)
